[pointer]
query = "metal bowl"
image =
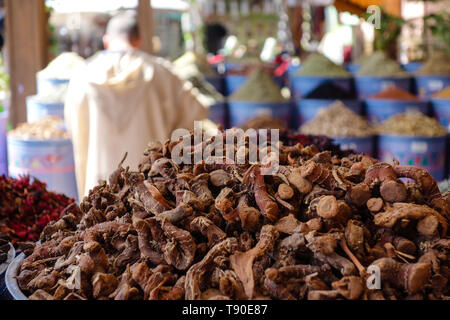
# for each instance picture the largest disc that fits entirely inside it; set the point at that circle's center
(10, 277)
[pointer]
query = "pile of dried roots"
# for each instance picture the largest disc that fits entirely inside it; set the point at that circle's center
(222, 231)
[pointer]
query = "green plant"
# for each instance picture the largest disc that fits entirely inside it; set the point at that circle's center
(439, 25)
(390, 28)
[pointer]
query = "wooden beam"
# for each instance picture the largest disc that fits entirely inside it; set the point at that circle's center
(146, 24)
(26, 43)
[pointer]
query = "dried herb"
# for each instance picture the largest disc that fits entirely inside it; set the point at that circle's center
(225, 231)
(338, 120)
(259, 87)
(379, 65)
(437, 64)
(317, 64)
(412, 124)
(26, 207)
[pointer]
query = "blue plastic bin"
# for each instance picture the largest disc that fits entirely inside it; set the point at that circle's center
(381, 109)
(307, 109)
(219, 114)
(36, 110)
(3, 148)
(412, 66)
(441, 111)
(303, 85)
(47, 84)
(426, 86)
(218, 83)
(428, 153)
(364, 145)
(367, 86)
(50, 161)
(241, 111)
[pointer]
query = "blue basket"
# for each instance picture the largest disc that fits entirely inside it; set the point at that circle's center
(381, 109)
(50, 161)
(241, 111)
(364, 145)
(441, 110)
(36, 110)
(428, 153)
(426, 86)
(367, 86)
(47, 84)
(219, 114)
(352, 67)
(307, 109)
(3, 148)
(218, 83)
(303, 85)
(412, 67)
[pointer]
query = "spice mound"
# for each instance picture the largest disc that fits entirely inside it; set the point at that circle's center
(437, 64)
(53, 94)
(339, 121)
(45, 129)
(317, 64)
(395, 93)
(194, 64)
(63, 66)
(259, 87)
(444, 94)
(26, 207)
(263, 122)
(412, 124)
(219, 231)
(379, 65)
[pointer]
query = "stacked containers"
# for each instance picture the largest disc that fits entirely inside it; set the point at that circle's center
(378, 73)
(434, 75)
(441, 107)
(260, 95)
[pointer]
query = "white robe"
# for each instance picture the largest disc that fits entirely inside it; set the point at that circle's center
(120, 102)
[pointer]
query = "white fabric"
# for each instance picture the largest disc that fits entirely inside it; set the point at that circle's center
(120, 102)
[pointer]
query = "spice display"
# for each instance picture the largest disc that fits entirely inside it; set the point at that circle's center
(395, 93)
(205, 92)
(4, 248)
(412, 124)
(444, 94)
(263, 122)
(259, 87)
(26, 207)
(437, 64)
(225, 231)
(379, 65)
(329, 90)
(339, 121)
(45, 129)
(63, 66)
(317, 64)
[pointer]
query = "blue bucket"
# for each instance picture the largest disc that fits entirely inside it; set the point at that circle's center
(412, 67)
(428, 153)
(36, 110)
(364, 145)
(381, 109)
(241, 111)
(50, 161)
(303, 85)
(352, 67)
(441, 111)
(307, 109)
(219, 114)
(367, 86)
(3, 148)
(218, 83)
(47, 84)
(426, 86)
